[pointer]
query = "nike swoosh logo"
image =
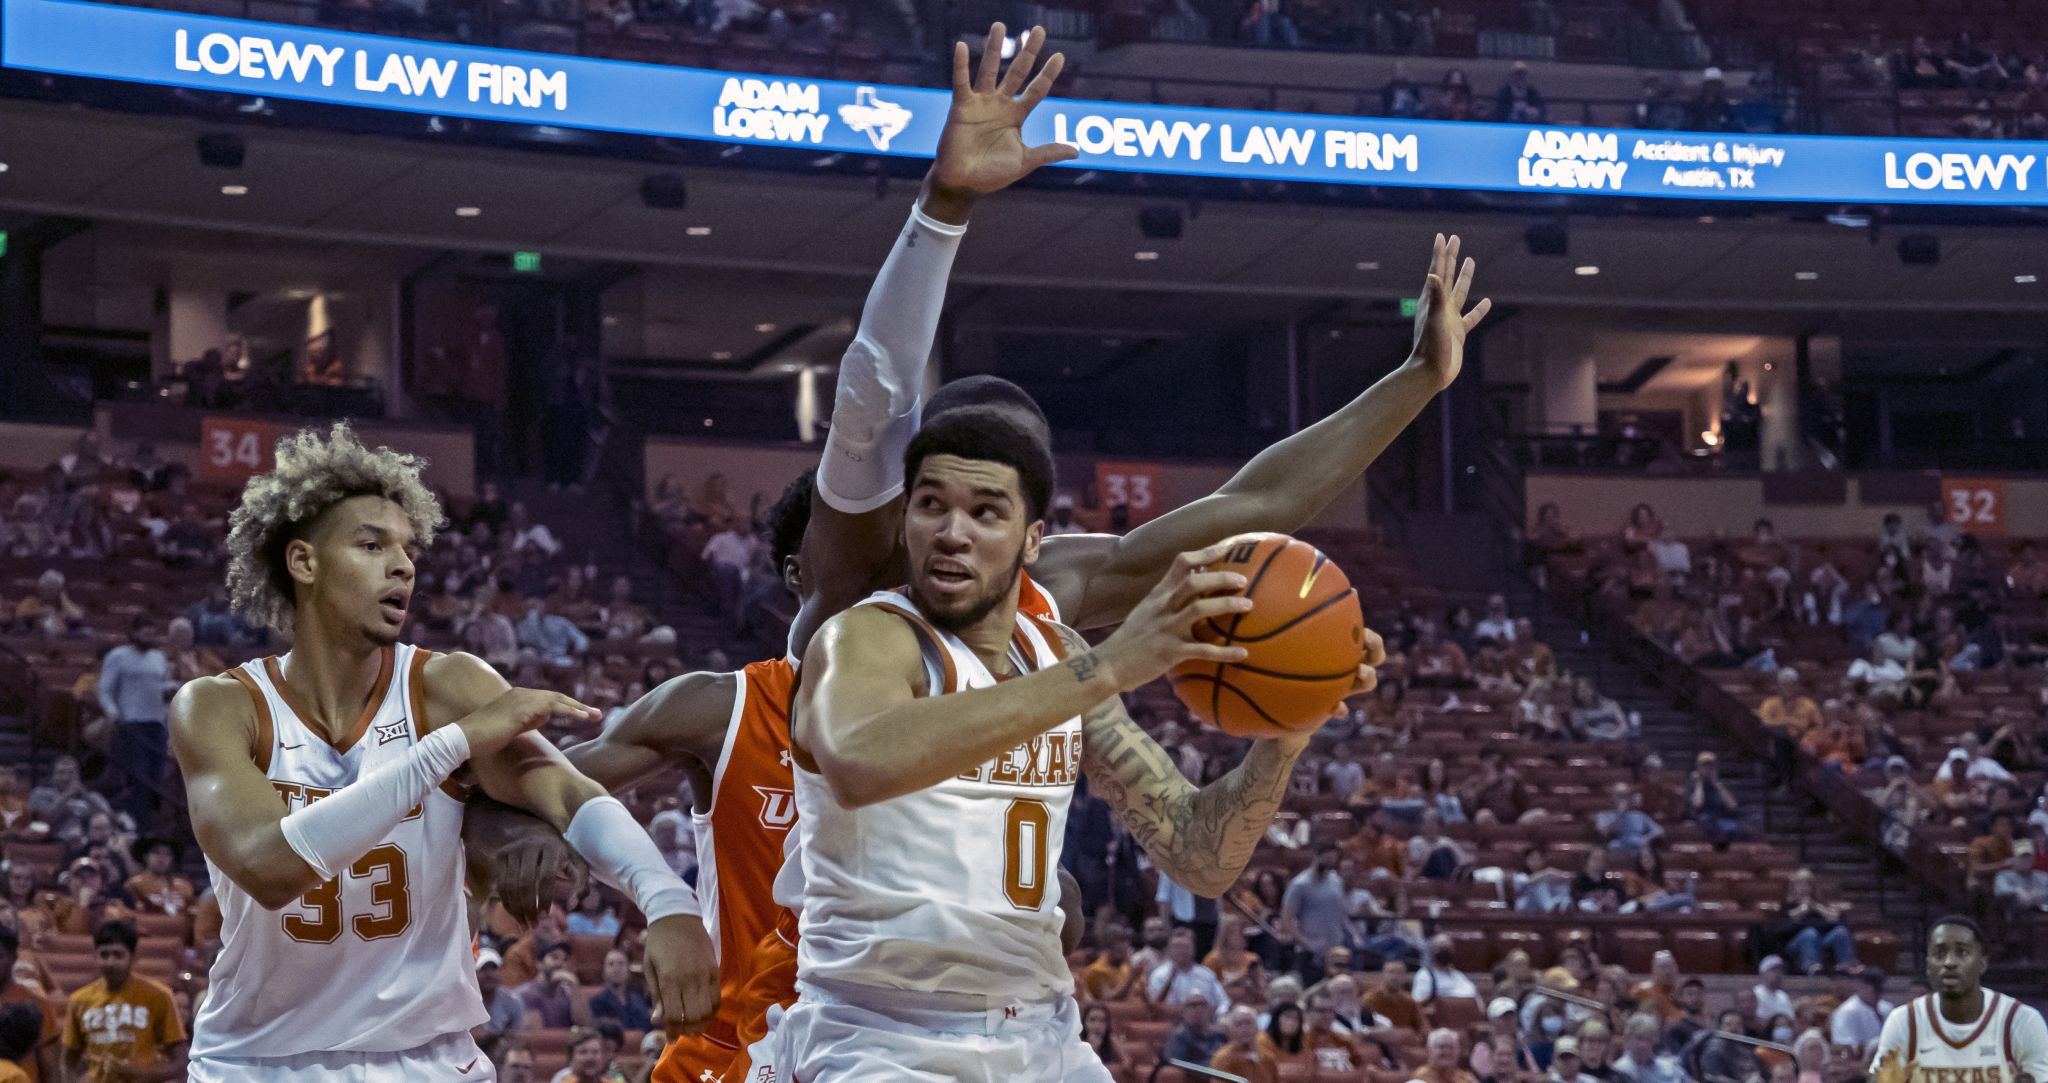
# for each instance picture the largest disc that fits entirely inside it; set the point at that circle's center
(465, 1068)
(1309, 583)
(292, 748)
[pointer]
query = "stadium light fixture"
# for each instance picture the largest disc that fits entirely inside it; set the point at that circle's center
(1145, 255)
(1806, 276)
(468, 212)
(2025, 280)
(764, 328)
(234, 189)
(698, 231)
(1366, 265)
(1585, 270)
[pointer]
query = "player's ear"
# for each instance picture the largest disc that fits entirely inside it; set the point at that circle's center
(793, 574)
(1032, 535)
(300, 561)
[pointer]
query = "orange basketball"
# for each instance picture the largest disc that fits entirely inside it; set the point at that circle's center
(1305, 633)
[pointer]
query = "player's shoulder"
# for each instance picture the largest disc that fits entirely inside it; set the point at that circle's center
(865, 629)
(460, 675)
(210, 700)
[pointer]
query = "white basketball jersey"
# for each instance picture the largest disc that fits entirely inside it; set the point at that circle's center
(952, 889)
(2009, 1039)
(377, 960)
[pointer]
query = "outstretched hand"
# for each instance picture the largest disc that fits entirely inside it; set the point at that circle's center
(982, 147)
(1441, 322)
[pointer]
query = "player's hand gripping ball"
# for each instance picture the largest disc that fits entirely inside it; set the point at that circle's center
(1305, 635)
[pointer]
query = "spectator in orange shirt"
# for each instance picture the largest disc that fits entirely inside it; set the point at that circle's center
(1836, 743)
(1332, 1051)
(1235, 964)
(1375, 849)
(157, 889)
(1445, 1048)
(38, 1060)
(86, 902)
(1111, 976)
(1437, 662)
(1282, 1040)
(1241, 1055)
(13, 800)
(1392, 1000)
(1991, 853)
(1659, 995)
(123, 1028)
(1789, 716)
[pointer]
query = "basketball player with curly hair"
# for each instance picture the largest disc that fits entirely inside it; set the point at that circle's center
(323, 787)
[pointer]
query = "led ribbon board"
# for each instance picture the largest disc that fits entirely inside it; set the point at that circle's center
(106, 41)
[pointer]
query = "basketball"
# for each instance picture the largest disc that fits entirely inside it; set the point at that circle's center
(1306, 638)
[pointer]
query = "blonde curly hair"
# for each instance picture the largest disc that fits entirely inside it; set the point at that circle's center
(313, 474)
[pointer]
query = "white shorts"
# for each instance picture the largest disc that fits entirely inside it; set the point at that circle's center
(858, 1034)
(452, 1058)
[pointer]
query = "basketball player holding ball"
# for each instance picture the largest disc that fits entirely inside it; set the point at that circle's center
(937, 738)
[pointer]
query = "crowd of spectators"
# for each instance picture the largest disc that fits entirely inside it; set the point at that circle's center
(1997, 90)
(1877, 656)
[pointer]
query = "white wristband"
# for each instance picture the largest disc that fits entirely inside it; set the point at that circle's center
(332, 833)
(621, 856)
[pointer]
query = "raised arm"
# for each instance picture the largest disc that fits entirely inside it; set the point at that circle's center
(861, 715)
(849, 548)
(1097, 578)
(277, 854)
(1201, 837)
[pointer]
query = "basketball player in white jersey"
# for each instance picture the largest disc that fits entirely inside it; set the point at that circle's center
(1961, 1032)
(321, 787)
(938, 735)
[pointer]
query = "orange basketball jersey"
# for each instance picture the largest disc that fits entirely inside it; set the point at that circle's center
(739, 851)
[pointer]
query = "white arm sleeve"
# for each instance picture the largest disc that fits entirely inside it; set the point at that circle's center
(333, 832)
(622, 856)
(881, 378)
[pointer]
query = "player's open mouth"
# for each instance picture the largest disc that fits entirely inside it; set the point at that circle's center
(393, 605)
(948, 574)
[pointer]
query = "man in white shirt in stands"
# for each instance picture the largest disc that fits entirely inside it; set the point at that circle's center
(1497, 625)
(532, 536)
(1771, 998)
(1181, 976)
(1860, 1020)
(729, 554)
(1440, 980)
(1967, 761)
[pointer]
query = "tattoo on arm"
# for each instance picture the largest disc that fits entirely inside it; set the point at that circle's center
(1084, 666)
(1201, 837)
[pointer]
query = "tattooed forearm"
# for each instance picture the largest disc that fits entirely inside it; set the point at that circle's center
(1084, 666)
(1201, 837)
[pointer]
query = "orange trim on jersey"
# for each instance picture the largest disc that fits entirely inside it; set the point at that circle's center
(1053, 638)
(1940, 1031)
(936, 657)
(362, 726)
(1913, 1027)
(266, 730)
(2012, 1015)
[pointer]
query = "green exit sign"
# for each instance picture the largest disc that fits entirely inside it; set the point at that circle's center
(1409, 305)
(3, 243)
(526, 262)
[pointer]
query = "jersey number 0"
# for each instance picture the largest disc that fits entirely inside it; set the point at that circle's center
(390, 891)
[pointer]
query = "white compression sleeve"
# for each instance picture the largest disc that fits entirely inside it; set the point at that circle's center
(622, 856)
(881, 378)
(331, 833)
